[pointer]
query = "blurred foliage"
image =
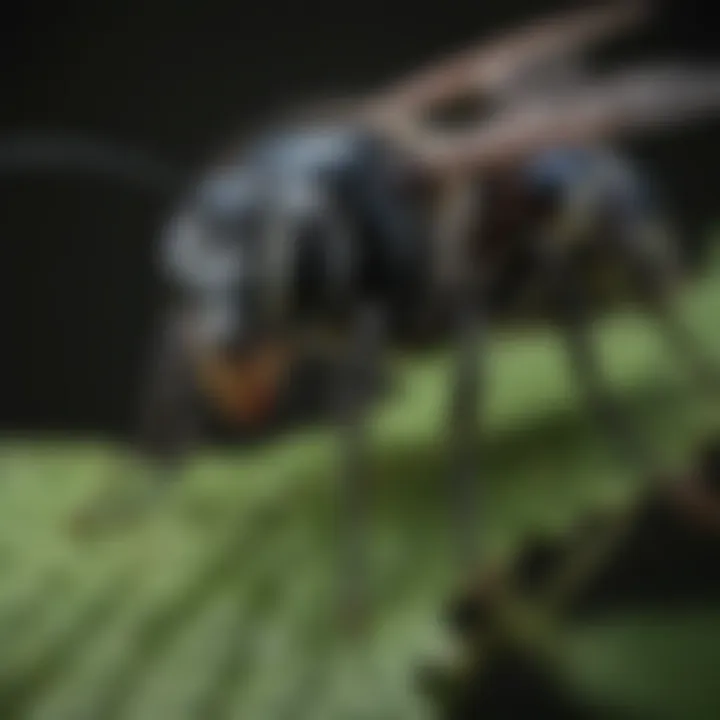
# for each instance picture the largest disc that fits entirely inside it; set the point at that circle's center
(615, 619)
(219, 601)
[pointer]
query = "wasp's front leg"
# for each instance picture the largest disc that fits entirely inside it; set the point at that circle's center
(355, 381)
(168, 427)
(169, 424)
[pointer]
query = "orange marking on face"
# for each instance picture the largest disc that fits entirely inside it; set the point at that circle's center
(244, 389)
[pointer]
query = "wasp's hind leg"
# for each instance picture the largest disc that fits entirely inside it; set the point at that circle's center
(573, 312)
(464, 428)
(654, 273)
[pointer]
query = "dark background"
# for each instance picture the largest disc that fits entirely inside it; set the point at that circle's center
(176, 78)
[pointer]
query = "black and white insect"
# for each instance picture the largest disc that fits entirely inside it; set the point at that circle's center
(378, 223)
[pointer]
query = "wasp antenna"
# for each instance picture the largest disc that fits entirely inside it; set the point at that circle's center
(35, 154)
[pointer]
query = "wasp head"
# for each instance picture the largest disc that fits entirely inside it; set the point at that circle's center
(258, 243)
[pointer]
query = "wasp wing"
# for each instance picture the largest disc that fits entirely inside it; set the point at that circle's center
(638, 101)
(489, 67)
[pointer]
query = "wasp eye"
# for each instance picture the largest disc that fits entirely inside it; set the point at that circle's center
(232, 224)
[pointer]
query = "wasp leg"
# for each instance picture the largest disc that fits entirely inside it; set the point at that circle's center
(653, 279)
(465, 428)
(168, 426)
(169, 423)
(355, 378)
(573, 312)
(684, 345)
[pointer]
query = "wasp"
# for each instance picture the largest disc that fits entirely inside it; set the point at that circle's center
(380, 220)
(379, 224)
